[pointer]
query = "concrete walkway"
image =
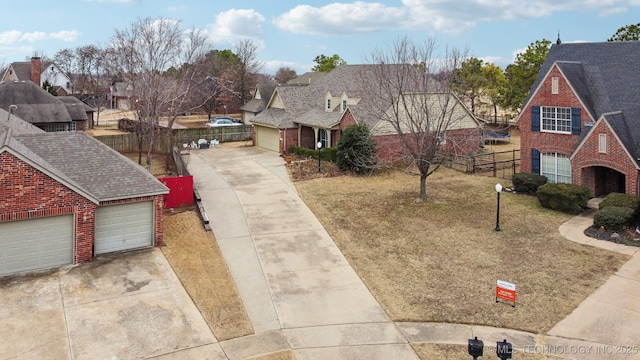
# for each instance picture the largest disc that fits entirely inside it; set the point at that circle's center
(300, 293)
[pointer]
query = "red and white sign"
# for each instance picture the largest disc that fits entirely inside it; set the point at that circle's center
(506, 291)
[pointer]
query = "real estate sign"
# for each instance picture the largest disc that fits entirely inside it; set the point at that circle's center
(506, 291)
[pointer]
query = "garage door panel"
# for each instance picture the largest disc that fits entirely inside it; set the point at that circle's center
(124, 227)
(268, 138)
(36, 244)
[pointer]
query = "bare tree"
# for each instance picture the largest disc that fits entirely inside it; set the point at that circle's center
(425, 120)
(85, 67)
(244, 74)
(285, 74)
(142, 55)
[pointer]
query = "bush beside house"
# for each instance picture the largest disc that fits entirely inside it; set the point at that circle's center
(567, 198)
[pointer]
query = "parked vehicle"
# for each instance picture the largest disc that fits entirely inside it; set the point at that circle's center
(223, 121)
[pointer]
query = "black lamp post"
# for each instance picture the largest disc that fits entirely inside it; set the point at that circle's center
(498, 190)
(319, 146)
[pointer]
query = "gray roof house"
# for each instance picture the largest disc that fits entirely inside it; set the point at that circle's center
(318, 108)
(258, 103)
(581, 121)
(67, 197)
(38, 107)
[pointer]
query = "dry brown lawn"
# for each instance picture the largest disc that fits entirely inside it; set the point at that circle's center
(195, 257)
(438, 260)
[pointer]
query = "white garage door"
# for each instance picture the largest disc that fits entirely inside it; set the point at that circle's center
(36, 244)
(268, 138)
(124, 227)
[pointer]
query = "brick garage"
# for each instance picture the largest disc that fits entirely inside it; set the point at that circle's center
(597, 84)
(54, 185)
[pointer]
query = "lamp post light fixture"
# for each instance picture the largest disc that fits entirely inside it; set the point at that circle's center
(498, 191)
(319, 146)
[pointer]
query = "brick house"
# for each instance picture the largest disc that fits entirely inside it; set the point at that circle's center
(66, 197)
(318, 109)
(580, 122)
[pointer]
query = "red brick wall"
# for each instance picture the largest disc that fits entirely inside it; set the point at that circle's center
(543, 141)
(307, 137)
(289, 138)
(28, 193)
(390, 148)
(615, 158)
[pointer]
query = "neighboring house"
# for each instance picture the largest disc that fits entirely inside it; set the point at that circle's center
(38, 107)
(67, 197)
(39, 72)
(581, 121)
(318, 108)
(121, 95)
(259, 102)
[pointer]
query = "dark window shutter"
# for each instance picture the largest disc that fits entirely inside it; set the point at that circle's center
(535, 161)
(535, 118)
(576, 122)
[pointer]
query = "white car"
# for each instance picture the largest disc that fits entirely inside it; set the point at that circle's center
(223, 121)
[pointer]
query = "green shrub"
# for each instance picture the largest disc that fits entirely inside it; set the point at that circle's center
(328, 154)
(613, 217)
(622, 200)
(527, 182)
(356, 149)
(568, 198)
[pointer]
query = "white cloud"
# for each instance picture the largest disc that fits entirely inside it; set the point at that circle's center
(14, 36)
(237, 24)
(10, 37)
(341, 18)
(463, 15)
(65, 35)
(272, 66)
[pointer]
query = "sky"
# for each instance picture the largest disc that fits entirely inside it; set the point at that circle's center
(292, 33)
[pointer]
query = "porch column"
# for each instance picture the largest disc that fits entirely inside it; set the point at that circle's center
(315, 138)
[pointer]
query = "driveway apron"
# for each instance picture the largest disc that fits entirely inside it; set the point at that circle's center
(292, 278)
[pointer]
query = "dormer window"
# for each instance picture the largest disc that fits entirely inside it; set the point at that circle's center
(328, 104)
(344, 104)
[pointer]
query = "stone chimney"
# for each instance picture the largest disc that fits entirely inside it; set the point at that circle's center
(36, 70)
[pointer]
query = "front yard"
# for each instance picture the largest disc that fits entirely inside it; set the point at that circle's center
(438, 260)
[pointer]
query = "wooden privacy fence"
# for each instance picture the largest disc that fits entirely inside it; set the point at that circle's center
(503, 163)
(163, 142)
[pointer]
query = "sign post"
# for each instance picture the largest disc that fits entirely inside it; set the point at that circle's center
(506, 291)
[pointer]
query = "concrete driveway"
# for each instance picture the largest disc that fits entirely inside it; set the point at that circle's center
(120, 306)
(299, 291)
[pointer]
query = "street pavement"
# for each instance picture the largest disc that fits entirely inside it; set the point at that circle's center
(301, 294)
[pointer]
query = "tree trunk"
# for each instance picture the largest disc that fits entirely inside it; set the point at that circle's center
(423, 187)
